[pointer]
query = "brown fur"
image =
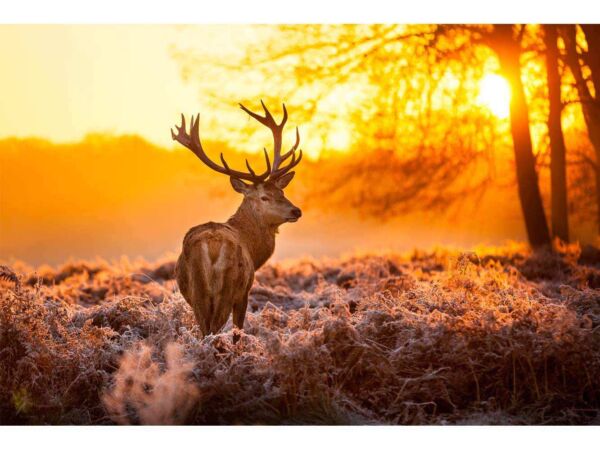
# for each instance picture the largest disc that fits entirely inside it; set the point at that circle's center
(216, 267)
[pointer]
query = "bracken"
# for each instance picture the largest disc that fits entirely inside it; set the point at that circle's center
(493, 336)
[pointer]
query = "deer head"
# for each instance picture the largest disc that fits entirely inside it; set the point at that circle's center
(264, 192)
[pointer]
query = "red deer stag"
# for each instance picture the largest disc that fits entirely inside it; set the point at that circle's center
(217, 263)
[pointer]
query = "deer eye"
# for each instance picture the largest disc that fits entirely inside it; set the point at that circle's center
(264, 198)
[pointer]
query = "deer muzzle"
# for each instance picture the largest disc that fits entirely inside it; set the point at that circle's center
(295, 214)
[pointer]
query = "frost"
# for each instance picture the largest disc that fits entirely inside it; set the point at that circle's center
(495, 336)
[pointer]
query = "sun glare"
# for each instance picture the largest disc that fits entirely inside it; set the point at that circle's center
(494, 94)
(340, 140)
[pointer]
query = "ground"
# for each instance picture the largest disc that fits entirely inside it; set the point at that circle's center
(496, 336)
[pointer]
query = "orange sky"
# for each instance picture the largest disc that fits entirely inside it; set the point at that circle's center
(61, 82)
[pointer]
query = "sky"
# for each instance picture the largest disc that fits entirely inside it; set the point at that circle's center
(62, 82)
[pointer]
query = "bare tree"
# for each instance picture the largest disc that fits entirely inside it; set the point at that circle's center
(506, 42)
(577, 59)
(412, 63)
(558, 166)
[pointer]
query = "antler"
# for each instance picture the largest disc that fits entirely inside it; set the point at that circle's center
(192, 141)
(277, 130)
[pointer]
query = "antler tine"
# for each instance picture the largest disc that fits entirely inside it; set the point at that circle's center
(267, 160)
(277, 131)
(285, 116)
(277, 171)
(178, 128)
(182, 127)
(264, 120)
(268, 115)
(225, 165)
(293, 149)
(195, 131)
(268, 120)
(293, 163)
(250, 168)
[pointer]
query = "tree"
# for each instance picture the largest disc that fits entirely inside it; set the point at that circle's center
(406, 68)
(507, 46)
(558, 167)
(578, 59)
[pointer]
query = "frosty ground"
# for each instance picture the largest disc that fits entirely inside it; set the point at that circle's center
(496, 336)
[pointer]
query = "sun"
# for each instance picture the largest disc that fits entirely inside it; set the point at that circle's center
(494, 94)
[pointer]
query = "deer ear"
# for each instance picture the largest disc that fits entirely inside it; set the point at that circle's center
(282, 182)
(239, 185)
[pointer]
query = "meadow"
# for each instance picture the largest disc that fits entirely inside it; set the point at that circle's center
(496, 336)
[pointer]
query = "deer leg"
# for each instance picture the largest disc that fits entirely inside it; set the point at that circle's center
(239, 314)
(203, 322)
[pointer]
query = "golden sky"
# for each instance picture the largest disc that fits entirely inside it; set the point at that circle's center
(61, 82)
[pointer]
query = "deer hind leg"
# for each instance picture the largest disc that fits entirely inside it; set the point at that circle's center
(217, 280)
(240, 304)
(202, 321)
(203, 293)
(237, 279)
(201, 300)
(239, 314)
(194, 292)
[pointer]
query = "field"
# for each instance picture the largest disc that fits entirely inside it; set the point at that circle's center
(497, 336)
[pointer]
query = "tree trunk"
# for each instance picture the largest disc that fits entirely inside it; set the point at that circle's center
(597, 173)
(558, 167)
(508, 50)
(590, 104)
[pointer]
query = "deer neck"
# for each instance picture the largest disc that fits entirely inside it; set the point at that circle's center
(257, 236)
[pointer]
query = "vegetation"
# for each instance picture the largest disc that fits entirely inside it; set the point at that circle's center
(412, 90)
(495, 336)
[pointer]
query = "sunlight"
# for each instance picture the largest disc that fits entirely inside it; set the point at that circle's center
(494, 94)
(340, 140)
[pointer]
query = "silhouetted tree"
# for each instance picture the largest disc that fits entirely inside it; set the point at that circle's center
(506, 42)
(412, 61)
(558, 167)
(577, 58)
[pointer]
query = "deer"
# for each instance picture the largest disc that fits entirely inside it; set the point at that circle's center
(216, 267)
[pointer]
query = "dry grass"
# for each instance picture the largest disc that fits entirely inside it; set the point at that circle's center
(497, 336)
